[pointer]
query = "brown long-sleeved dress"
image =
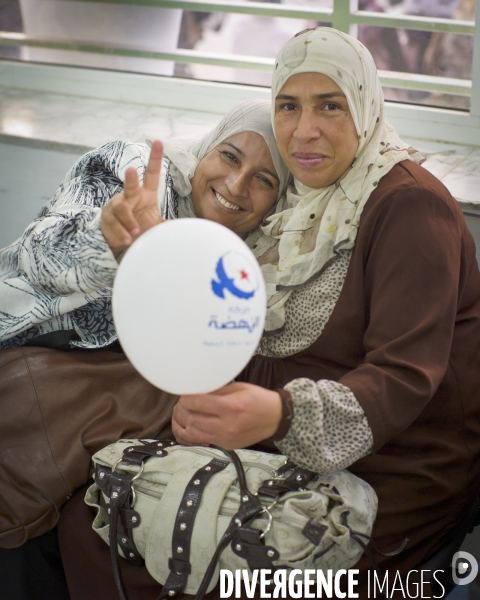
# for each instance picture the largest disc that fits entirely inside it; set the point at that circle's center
(404, 337)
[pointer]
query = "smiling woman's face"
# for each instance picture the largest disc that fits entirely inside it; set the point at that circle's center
(314, 129)
(236, 183)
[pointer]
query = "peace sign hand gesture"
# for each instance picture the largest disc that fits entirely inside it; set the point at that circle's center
(134, 210)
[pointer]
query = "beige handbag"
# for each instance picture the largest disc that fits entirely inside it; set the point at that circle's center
(190, 511)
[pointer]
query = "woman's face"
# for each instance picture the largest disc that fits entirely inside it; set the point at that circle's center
(314, 129)
(236, 183)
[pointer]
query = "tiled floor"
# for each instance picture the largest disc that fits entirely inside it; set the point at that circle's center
(86, 123)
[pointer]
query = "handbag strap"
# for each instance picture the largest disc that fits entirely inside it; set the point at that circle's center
(250, 507)
(247, 541)
(297, 480)
(179, 563)
(118, 488)
(127, 518)
(120, 485)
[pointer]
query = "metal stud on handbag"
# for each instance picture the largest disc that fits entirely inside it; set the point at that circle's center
(187, 512)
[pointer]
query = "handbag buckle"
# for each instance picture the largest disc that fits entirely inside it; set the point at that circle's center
(267, 509)
(135, 477)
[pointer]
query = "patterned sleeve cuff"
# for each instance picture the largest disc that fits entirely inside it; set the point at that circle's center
(329, 430)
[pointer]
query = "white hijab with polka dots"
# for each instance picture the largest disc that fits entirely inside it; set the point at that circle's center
(311, 225)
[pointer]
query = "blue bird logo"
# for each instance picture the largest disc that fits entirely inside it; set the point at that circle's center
(228, 283)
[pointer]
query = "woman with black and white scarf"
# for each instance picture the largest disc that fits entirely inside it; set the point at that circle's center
(58, 276)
